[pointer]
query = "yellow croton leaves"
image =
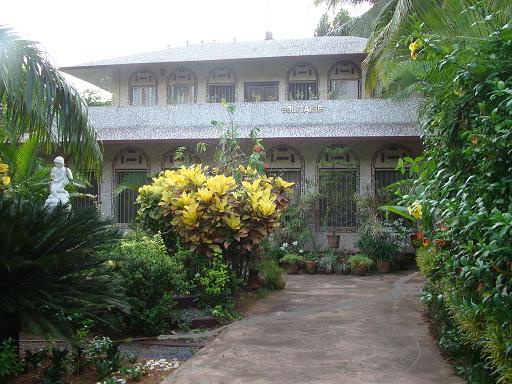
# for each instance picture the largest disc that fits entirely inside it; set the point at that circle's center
(211, 210)
(4, 180)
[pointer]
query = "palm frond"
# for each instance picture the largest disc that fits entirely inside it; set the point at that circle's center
(35, 99)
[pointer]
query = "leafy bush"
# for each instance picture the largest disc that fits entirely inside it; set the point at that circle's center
(217, 213)
(360, 260)
(212, 282)
(379, 240)
(461, 189)
(272, 274)
(51, 266)
(292, 259)
(328, 262)
(9, 364)
(150, 277)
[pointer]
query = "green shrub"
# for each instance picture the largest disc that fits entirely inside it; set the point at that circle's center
(292, 259)
(360, 260)
(328, 262)
(272, 274)
(8, 359)
(213, 282)
(378, 240)
(151, 277)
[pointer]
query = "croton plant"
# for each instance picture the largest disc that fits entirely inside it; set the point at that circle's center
(213, 212)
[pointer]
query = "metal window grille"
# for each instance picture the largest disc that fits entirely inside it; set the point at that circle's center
(290, 175)
(302, 90)
(180, 94)
(143, 95)
(262, 91)
(125, 207)
(93, 189)
(337, 208)
(385, 177)
(217, 92)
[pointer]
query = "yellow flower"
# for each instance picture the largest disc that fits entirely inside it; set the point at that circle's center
(3, 168)
(150, 189)
(190, 214)
(280, 183)
(414, 47)
(220, 184)
(204, 194)
(415, 210)
(233, 221)
(6, 180)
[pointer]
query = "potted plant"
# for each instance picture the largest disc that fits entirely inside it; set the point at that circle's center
(310, 263)
(291, 262)
(359, 264)
(328, 262)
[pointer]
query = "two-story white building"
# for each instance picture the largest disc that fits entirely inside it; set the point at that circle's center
(306, 96)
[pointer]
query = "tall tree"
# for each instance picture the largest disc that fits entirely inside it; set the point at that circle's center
(35, 100)
(334, 27)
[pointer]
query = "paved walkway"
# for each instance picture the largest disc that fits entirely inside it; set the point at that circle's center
(327, 329)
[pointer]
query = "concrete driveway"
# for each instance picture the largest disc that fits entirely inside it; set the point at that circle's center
(327, 329)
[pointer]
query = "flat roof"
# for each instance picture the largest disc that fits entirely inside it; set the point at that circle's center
(314, 46)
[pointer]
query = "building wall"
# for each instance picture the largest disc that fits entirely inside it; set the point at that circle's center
(244, 70)
(365, 150)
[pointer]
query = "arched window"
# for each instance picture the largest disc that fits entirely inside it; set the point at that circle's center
(179, 156)
(181, 87)
(344, 81)
(302, 82)
(383, 165)
(131, 171)
(143, 88)
(221, 85)
(287, 163)
(338, 182)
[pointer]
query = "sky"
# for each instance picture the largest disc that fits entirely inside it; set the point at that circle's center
(73, 32)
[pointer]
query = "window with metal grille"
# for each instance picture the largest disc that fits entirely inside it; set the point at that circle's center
(385, 177)
(345, 89)
(217, 92)
(268, 91)
(92, 192)
(180, 94)
(302, 90)
(337, 208)
(125, 207)
(142, 95)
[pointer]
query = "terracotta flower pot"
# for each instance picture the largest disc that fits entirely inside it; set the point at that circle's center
(292, 268)
(359, 271)
(310, 267)
(333, 241)
(253, 282)
(384, 266)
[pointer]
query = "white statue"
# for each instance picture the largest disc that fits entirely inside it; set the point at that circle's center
(61, 176)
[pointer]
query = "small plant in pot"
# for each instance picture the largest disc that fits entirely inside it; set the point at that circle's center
(328, 262)
(291, 262)
(359, 263)
(311, 263)
(273, 276)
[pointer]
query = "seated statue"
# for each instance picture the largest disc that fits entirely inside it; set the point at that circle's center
(61, 176)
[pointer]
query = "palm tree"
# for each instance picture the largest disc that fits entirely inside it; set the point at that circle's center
(36, 101)
(51, 267)
(389, 22)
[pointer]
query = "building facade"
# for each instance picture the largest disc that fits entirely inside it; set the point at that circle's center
(305, 97)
